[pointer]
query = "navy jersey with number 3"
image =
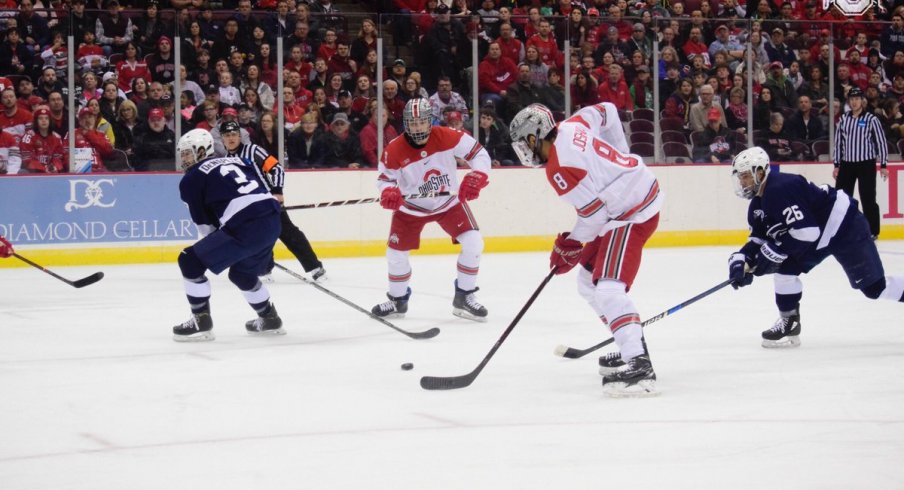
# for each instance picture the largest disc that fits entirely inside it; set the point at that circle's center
(217, 190)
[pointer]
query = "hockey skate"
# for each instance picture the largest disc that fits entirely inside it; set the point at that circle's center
(610, 362)
(268, 324)
(635, 379)
(318, 274)
(198, 328)
(394, 308)
(465, 305)
(785, 333)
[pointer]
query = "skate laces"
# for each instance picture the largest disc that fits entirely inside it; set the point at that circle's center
(472, 303)
(192, 323)
(780, 325)
(612, 356)
(388, 306)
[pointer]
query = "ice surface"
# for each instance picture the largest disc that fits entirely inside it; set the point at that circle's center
(96, 395)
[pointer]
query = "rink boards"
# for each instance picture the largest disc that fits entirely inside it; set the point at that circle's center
(135, 218)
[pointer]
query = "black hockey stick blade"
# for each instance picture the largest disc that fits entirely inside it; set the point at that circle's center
(80, 283)
(456, 382)
(572, 353)
(366, 200)
(426, 334)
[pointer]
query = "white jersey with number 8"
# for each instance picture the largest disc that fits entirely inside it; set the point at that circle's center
(591, 167)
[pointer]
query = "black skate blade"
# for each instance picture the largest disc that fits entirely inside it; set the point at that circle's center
(87, 281)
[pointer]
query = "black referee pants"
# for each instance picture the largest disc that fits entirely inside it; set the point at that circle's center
(862, 173)
(297, 243)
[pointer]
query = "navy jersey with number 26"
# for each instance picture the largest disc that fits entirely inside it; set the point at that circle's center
(217, 190)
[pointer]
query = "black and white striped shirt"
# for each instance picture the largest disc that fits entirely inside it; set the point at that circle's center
(272, 172)
(860, 138)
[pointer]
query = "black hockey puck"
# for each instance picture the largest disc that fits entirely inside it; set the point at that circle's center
(407, 366)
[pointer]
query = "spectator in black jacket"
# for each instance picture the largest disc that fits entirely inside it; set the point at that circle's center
(804, 125)
(156, 145)
(15, 57)
(717, 143)
(493, 135)
(306, 146)
(775, 141)
(343, 148)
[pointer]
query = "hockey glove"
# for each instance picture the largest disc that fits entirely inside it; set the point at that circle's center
(566, 253)
(736, 271)
(391, 198)
(471, 185)
(6, 248)
(768, 260)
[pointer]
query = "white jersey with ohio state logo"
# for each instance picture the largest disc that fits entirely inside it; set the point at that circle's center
(430, 168)
(591, 167)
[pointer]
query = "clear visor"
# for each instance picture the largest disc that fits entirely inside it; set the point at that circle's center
(188, 158)
(525, 154)
(744, 184)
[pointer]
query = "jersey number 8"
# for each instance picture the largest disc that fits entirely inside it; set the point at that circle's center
(613, 155)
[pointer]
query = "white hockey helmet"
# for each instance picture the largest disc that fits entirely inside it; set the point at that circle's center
(194, 146)
(534, 120)
(744, 173)
(417, 118)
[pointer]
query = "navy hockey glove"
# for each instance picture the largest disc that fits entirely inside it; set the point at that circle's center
(391, 198)
(565, 253)
(739, 277)
(768, 260)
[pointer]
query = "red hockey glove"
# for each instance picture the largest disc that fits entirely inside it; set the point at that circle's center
(471, 185)
(391, 198)
(565, 253)
(6, 248)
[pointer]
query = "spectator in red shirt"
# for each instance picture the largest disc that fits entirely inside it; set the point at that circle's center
(512, 47)
(341, 64)
(41, 149)
(292, 110)
(328, 47)
(12, 118)
(368, 136)
(545, 43)
(859, 72)
(497, 73)
(615, 90)
(86, 136)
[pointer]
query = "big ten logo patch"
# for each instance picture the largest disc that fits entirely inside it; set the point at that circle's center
(85, 193)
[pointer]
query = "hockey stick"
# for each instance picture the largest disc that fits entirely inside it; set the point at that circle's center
(427, 334)
(572, 353)
(80, 283)
(365, 200)
(455, 382)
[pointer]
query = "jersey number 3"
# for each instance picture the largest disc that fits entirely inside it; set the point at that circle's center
(239, 178)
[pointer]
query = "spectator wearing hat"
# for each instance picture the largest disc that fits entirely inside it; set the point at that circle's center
(113, 29)
(453, 119)
(25, 90)
(398, 72)
(40, 149)
(613, 45)
(156, 146)
(229, 115)
(13, 119)
(717, 143)
(162, 63)
(86, 136)
(441, 46)
(782, 89)
(344, 102)
(639, 41)
(642, 88)
(777, 50)
(369, 134)
(343, 147)
(723, 42)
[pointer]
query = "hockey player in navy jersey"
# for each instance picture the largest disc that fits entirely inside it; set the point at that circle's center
(794, 226)
(239, 223)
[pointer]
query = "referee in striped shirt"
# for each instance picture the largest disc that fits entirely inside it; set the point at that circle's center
(274, 178)
(859, 143)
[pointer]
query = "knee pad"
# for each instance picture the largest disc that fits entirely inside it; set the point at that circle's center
(190, 264)
(874, 290)
(612, 299)
(785, 284)
(471, 242)
(243, 280)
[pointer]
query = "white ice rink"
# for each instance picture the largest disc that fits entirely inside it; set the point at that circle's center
(96, 395)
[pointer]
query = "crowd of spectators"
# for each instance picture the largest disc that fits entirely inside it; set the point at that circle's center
(125, 72)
